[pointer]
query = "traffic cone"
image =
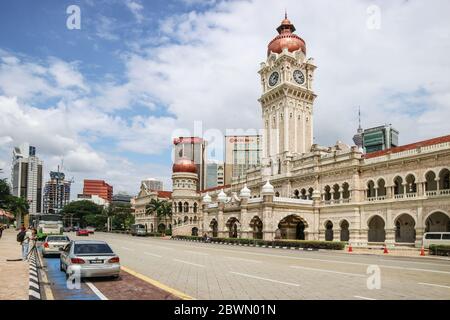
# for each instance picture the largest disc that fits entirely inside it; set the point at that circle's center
(385, 249)
(422, 251)
(350, 249)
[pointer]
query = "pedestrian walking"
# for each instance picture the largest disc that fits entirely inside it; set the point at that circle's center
(1, 231)
(23, 238)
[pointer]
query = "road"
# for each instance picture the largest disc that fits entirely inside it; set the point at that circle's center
(215, 271)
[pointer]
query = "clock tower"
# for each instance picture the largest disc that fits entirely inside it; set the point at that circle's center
(287, 99)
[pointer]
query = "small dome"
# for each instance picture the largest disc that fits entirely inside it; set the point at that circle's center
(286, 39)
(184, 165)
(222, 197)
(245, 192)
(207, 198)
(267, 189)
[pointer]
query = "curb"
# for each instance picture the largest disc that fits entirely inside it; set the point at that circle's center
(34, 290)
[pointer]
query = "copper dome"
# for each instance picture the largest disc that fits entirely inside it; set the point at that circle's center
(286, 39)
(184, 165)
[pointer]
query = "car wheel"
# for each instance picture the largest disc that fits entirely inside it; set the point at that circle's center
(116, 277)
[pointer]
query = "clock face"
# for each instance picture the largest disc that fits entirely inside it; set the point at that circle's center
(273, 79)
(299, 77)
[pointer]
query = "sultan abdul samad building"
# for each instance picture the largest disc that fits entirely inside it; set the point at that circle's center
(306, 191)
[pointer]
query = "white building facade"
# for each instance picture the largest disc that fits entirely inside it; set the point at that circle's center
(305, 191)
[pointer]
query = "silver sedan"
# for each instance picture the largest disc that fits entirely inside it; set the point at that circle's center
(89, 258)
(53, 243)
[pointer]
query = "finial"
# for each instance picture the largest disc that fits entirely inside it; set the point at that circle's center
(285, 13)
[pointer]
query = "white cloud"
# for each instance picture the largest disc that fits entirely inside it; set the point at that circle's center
(136, 9)
(105, 27)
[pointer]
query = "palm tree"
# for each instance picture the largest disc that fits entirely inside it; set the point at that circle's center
(19, 207)
(153, 206)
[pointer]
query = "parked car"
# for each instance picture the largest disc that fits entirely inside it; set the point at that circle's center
(82, 232)
(439, 238)
(75, 228)
(90, 230)
(53, 243)
(67, 229)
(91, 257)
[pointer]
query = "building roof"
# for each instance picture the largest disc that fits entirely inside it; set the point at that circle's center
(165, 194)
(410, 146)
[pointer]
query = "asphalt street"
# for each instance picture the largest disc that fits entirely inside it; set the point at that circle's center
(216, 271)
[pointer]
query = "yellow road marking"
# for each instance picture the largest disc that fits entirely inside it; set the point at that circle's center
(158, 284)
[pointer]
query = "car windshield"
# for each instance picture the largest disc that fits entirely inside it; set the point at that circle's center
(57, 239)
(92, 249)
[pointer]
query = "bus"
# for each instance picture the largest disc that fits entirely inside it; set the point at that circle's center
(48, 224)
(138, 229)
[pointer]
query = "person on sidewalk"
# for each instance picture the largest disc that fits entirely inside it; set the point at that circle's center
(25, 242)
(1, 231)
(32, 242)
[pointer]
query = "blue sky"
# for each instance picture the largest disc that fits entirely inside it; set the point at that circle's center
(107, 99)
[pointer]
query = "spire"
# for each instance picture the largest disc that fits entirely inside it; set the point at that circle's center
(359, 118)
(358, 137)
(285, 13)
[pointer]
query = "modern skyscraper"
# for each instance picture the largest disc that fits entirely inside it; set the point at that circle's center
(215, 174)
(99, 188)
(194, 149)
(241, 153)
(26, 176)
(153, 184)
(380, 138)
(56, 192)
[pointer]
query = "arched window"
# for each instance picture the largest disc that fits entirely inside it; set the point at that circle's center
(296, 194)
(398, 185)
(195, 207)
(345, 190)
(370, 189)
(381, 188)
(431, 183)
(186, 207)
(444, 179)
(336, 193)
(180, 207)
(310, 193)
(411, 184)
(303, 194)
(277, 194)
(327, 193)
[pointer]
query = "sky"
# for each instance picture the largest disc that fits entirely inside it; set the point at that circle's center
(105, 100)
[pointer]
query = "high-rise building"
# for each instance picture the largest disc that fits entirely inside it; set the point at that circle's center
(26, 177)
(215, 174)
(121, 198)
(379, 138)
(56, 192)
(241, 154)
(99, 188)
(194, 149)
(153, 184)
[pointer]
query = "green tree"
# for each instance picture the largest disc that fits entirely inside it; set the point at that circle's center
(5, 194)
(121, 215)
(81, 209)
(153, 206)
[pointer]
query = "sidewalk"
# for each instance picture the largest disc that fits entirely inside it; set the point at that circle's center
(14, 275)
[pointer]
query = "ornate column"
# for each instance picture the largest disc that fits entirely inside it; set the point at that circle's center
(267, 192)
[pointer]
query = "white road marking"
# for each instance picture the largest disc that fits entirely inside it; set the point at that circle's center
(153, 254)
(195, 252)
(243, 259)
(330, 271)
(125, 248)
(333, 261)
(265, 279)
(96, 291)
(364, 298)
(434, 285)
(191, 263)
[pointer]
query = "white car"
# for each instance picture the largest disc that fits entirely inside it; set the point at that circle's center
(91, 258)
(53, 243)
(90, 230)
(438, 238)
